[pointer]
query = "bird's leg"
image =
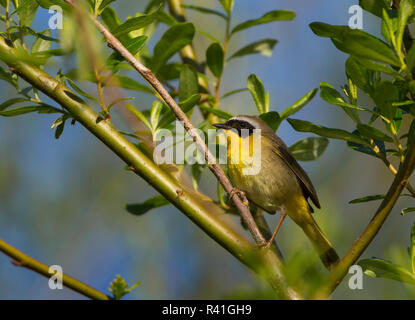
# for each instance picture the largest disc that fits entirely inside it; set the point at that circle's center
(282, 217)
(241, 193)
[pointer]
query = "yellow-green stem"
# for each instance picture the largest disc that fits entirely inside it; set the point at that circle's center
(23, 260)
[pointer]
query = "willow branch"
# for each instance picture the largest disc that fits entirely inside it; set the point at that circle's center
(360, 244)
(263, 262)
(240, 202)
(23, 260)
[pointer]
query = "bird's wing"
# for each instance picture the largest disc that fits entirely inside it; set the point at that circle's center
(284, 153)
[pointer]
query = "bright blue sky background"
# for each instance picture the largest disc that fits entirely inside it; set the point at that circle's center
(61, 200)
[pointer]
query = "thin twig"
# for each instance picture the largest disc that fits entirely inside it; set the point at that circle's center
(239, 202)
(21, 259)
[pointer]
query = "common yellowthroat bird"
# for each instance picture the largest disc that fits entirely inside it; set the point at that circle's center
(279, 183)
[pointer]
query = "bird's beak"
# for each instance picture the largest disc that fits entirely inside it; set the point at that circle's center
(221, 126)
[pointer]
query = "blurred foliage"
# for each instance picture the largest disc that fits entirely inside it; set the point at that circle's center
(378, 268)
(119, 288)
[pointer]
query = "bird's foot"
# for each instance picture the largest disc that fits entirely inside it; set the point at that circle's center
(240, 193)
(266, 245)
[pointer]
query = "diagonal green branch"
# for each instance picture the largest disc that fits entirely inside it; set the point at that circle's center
(263, 262)
(23, 260)
(359, 246)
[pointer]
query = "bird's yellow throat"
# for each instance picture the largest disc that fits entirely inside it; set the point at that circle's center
(241, 151)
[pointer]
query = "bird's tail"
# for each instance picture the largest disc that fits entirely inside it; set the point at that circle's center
(322, 245)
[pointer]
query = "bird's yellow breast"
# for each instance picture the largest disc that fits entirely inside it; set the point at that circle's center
(273, 184)
(240, 150)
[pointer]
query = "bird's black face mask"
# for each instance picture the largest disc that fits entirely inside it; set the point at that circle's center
(243, 128)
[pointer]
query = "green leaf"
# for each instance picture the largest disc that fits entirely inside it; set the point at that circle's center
(368, 198)
(373, 133)
(5, 75)
(364, 45)
(166, 18)
(257, 90)
(46, 4)
(135, 23)
(410, 58)
(186, 105)
(207, 35)
(263, 47)
(385, 94)
(406, 10)
(332, 96)
(119, 288)
(375, 197)
(407, 210)
(80, 91)
(389, 26)
(140, 116)
(40, 44)
(59, 124)
(359, 70)
(375, 6)
(104, 4)
(188, 83)
(378, 268)
(118, 100)
(110, 18)
(217, 112)
(189, 103)
(227, 5)
(411, 133)
(325, 30)
(357, 42)
(309, 149)
(29, 109)
(26, 11)
(150, 204)
(174, 39)
(366, 148)
(306, 126)
(272, 118)
(131, 84)
(197, 171)
(152, 4)
(58, 121)
(215, 59)
(230, 93)
(204, 10)
(116, 81)
(397, 120)
(297, 106)
(11, 102)
(170, 71)
(359, 74)
(133, 45)
(281, 15)
(155, 113)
